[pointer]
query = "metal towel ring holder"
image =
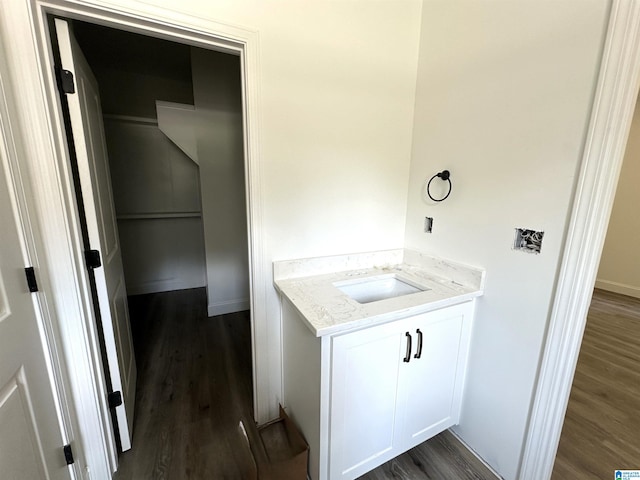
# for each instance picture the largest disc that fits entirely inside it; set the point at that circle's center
(444, 175)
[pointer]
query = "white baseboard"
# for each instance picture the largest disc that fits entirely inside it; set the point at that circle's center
(160, 286)
(616, 287)
(230, 306)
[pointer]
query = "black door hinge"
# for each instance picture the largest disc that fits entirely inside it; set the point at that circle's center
(114, 399)
(31, 279)
(92, 257)
(65, 80)
(68, 454)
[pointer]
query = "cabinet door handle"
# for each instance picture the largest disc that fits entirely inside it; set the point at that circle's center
(407, 357)
(419, 352)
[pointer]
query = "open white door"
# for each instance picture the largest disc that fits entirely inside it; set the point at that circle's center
(31, 439)
(93, 165)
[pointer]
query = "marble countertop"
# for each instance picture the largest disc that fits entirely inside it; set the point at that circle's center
(309, 285)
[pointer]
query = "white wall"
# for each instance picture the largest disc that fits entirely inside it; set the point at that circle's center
(156, 190)
(503, 98)
(337, 83)
(156, 187)
(619, 269)
(219, 136)
(135, 70)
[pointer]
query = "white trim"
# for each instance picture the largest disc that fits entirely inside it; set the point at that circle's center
(260, 280)
(229, 306)
(161, 286)
(176, 26)
(38, 118)
(54, 214)
(616, 287)
(31, 245)
(612, 111)
(158, 216)
(114, 117)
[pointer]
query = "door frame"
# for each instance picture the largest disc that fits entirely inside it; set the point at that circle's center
(612, 111)
(31, 246)
(24, 22)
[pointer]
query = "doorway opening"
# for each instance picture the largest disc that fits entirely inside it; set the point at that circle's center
(161, 182)
(606, 382)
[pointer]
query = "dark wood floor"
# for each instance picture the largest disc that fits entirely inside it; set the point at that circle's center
(441, 458)
(194, 386)
(601, 431)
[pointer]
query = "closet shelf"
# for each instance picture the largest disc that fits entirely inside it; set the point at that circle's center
(158, 216)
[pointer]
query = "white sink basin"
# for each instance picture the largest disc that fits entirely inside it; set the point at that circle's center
(373, 289)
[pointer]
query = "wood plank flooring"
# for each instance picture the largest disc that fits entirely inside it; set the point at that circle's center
(601, 431)
(194, 386)
(442, 457)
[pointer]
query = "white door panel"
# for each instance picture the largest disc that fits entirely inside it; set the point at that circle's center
(363, 404)
(20, 442)
(430, 410)
(31, 436)
(93, 167)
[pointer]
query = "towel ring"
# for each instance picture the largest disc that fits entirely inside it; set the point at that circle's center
(444, 175)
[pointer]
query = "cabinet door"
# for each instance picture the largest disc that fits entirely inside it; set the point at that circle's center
(431, 384)
(364, 381)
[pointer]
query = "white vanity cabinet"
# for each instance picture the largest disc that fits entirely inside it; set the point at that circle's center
(366, 396)
(365, 382)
